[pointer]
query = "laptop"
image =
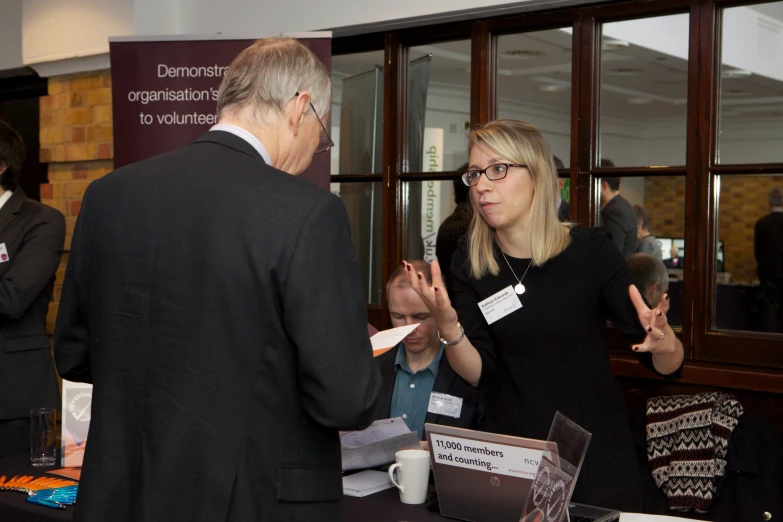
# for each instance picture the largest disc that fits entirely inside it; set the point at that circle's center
(486, 477)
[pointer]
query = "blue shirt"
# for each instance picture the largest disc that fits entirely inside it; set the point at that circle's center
(411, 396)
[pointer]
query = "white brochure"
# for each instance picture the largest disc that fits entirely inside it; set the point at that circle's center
(391, 337)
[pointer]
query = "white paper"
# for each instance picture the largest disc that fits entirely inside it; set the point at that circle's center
(501, 304)
(638, 517)
(378, 431)
(377, 444)
(366, 483)
(486, 456)
(392, 337)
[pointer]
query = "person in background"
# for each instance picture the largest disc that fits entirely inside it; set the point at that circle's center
(646, 243)
(651, 277)
(31, 243)
(455, 226)
(617, 216)
(415, 371)
(213, 299)
(563, 207)
(675, 260)
(768, 250)
(543, 348)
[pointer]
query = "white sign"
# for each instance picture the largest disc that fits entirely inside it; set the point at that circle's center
(501, 304)
(430, 191)
(76, 414)
(485, 456)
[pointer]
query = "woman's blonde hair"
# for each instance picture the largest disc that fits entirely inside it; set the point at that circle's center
(522, 143)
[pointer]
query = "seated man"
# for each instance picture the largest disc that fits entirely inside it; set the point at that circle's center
(416, 370)
(651, 277)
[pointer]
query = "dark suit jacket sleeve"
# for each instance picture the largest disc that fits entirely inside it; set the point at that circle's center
(33, 266)
(325, 316)
(71, 333)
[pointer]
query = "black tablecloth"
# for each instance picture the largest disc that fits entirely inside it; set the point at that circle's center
(14, 508)
(381, 507)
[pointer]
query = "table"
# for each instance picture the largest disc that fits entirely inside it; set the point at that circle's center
(13, 506)
(384, 506)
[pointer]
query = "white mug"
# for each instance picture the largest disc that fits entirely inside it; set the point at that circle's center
(414, 472)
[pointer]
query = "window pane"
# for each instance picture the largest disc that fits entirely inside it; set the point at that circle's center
(534, 84)
(751, 85)
(749, 256)
(426, 205)
(363, 202)
(438, 107)
(644, 91)
(357, 113)
(662, 199)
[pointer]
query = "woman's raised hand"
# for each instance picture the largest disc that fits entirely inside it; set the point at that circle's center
(435, 297)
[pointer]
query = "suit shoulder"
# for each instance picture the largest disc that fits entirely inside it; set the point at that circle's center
(44, 212)
(386, 359)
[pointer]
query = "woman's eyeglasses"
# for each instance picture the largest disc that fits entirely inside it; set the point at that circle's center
(493, 173)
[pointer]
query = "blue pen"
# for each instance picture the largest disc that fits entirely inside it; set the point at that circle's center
(44, 502)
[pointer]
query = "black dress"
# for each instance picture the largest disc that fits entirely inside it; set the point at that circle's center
(551, 355)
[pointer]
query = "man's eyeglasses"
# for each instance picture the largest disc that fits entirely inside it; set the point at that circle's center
(325, 141)
(493, 173)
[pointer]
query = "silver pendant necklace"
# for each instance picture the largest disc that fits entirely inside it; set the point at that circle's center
(519, 288)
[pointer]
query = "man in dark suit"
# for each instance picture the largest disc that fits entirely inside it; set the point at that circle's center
(618, 216)
(415, 371)
(563, 207)
(768, 249)
(214, 300)
(453, 228)
(31, 243)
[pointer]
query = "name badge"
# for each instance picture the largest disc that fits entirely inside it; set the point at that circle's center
(442, 404)
(498, 306)
(3, 253)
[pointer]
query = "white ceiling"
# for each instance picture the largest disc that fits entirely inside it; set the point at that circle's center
(638, 83)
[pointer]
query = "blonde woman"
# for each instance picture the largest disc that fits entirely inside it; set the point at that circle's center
(550, 353)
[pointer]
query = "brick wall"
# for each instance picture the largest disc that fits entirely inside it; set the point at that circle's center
(743, 200)
(76, 143)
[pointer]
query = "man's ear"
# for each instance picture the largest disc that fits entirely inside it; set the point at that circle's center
(298, 108)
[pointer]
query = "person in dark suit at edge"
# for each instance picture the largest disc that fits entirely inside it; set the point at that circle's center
(31, 243)
(213, 299)
(768, 250)
(617, 215)
(416, 367)
(563, 207)
(455, 226)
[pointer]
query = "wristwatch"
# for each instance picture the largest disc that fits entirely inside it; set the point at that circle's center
(452, 343)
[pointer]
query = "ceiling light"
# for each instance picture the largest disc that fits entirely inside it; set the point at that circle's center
(735, 73)
(627, 71)
(523, 54)
(639, 101)
(610, 44)
(552, 88)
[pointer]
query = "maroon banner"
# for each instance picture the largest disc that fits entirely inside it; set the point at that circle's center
(164, 95)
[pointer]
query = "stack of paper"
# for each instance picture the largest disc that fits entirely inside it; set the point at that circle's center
(376, 445)
(366, 483)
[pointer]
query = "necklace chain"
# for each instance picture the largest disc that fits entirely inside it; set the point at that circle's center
(519, 280)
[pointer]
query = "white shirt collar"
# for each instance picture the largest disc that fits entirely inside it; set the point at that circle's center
(247, 136)
(5, 197)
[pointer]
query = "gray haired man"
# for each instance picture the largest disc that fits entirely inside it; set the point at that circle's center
(213, 299)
